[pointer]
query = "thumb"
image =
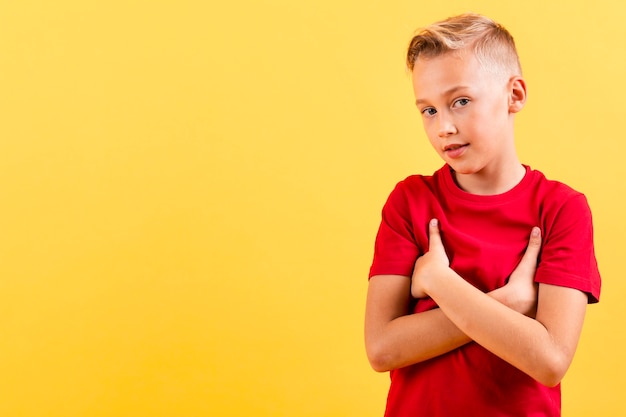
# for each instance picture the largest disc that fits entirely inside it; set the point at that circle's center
(534, 245)
(433, 233)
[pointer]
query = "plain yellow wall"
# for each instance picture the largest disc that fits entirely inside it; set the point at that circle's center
(190, 190)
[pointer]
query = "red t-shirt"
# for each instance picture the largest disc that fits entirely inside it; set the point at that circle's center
(485, 238)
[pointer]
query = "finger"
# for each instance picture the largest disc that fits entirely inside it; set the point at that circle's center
(535, 238)
(433, 233)
(534, 244)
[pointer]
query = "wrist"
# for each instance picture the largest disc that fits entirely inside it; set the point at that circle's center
(438, 278)
(500, 295)
(514, 298)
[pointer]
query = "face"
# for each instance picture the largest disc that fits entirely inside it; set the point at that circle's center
(467, 112)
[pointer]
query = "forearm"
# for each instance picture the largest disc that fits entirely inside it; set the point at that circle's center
(522, 341)
(413, 338)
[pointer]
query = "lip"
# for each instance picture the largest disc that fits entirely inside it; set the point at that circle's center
(455, 150)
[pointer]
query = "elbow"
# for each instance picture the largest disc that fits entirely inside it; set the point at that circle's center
(550, 380)
(380, 364)
(553, 372)
(380, 359)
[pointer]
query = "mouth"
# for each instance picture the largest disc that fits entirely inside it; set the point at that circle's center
(455, 150)
(454, 147)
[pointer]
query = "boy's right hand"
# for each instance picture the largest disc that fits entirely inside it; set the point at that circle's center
(520, 293)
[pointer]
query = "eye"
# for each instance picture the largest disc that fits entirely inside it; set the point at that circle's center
(462, 102)
(429, 111)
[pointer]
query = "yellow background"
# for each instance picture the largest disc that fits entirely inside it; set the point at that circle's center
(190, 190)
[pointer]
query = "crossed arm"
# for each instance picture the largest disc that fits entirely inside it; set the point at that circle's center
(536, 329)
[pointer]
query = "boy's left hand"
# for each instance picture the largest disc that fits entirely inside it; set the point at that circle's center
(430, 265)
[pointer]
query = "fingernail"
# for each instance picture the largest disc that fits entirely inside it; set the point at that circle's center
(434, 222)
(535, 232)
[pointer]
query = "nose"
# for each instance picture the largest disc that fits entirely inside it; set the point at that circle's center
(446, 125)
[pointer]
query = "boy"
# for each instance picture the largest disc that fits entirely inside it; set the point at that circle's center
(483, 270)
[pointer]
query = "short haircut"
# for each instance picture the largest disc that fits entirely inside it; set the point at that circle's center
(491, 43)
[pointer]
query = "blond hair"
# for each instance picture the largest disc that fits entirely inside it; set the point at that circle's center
(491, 43)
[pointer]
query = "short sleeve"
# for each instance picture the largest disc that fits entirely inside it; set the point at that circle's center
(568, 256)
(395, 249)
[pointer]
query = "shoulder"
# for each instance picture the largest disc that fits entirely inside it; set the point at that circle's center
(565, 213)
(412, 200)
(414, 181)
(415, 185)
(556, 194)
(560, 188)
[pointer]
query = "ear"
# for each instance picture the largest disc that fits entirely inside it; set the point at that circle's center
(517, 94)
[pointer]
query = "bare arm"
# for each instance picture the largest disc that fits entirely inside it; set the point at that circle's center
(543, 347)
(394, 338)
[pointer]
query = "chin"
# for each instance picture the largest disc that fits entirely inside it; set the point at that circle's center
(462, 169)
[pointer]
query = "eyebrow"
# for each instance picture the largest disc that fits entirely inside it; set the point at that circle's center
(445, 93)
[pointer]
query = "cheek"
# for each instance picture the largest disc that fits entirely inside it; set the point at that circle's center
(434, 142)
(429, 129)
(429, 132)
(475, 123)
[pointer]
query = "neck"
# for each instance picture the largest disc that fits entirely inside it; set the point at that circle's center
(496, 182)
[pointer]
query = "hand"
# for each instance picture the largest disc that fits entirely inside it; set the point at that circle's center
(521, 290)
(431, 264)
